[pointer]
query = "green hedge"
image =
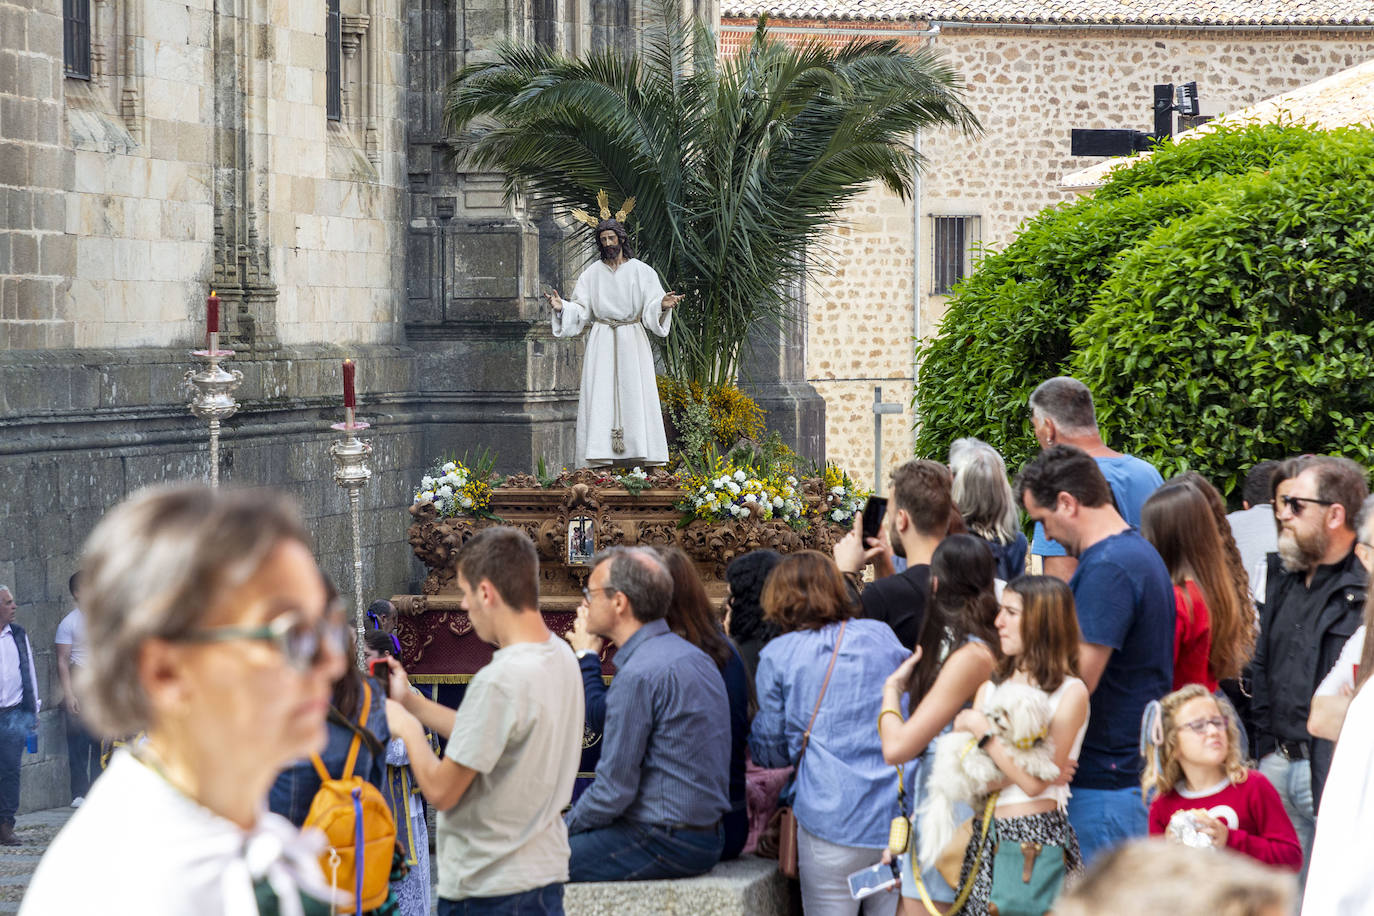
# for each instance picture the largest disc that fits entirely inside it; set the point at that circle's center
(1216, 298)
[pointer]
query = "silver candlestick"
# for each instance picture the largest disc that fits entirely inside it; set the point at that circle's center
(212, 398)
(351, 472)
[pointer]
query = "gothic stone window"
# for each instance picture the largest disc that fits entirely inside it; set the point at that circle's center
(76, 38)
(952, 240)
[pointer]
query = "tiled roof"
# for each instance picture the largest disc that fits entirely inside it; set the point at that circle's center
(1067, 12)
(1339, 100)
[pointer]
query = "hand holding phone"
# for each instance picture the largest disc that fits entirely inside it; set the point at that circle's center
(873, 880)
(874, 510)
(379, 669)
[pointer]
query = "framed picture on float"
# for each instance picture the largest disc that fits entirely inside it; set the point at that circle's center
(581, 540)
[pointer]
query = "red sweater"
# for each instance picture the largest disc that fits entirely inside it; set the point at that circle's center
(1259, 827)
(1192, 638)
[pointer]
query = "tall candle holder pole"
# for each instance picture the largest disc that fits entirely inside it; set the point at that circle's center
(351, 472)
(212, 396)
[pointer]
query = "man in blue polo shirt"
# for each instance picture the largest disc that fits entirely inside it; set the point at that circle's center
(1062, 414)
(1125, 604)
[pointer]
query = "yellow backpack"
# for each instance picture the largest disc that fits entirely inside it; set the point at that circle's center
(355, 818)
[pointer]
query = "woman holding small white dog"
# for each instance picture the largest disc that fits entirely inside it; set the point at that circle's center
(1031, 847)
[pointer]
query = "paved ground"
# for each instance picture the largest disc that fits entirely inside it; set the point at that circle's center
(18, 862)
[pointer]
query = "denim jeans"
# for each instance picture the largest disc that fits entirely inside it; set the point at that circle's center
(83, 756)
(15, 725)
(1293, 780)
(542, 901)
(1105, 818)
(625, 851)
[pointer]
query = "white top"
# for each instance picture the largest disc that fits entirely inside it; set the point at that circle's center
(1343, 673)
(1339, 879)
(138, 845)
(11, 685)
(520, 728)
(72, 632)
(1014, 794)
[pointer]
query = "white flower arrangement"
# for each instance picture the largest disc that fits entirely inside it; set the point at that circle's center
(843, 497)
(454, 490)
(736, 493)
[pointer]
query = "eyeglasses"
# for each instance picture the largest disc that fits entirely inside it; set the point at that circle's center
(587, 592)
(1294, 503)
(1200, 726)
(301, 643)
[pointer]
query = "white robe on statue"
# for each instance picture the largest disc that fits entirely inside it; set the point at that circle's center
(630, 292)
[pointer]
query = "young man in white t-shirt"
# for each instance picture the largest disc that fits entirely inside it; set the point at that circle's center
(83, 749)
(513, 745)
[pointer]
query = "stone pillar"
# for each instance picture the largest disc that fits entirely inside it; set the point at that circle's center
(242, 272)
(488, 362)
(773, 373)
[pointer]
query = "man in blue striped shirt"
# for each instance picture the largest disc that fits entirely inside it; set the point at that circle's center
(662, 784)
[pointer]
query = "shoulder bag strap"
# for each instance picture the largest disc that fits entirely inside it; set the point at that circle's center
(806, 735)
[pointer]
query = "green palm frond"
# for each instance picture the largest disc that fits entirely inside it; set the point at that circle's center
(740, 166)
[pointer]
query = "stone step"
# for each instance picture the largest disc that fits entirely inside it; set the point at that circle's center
(748, 885)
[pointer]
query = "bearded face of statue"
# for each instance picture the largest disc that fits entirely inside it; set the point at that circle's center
(609, 242)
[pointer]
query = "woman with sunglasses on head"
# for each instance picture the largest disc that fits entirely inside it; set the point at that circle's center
(210, 631)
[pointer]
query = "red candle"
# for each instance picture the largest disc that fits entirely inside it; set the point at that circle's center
(212, 313)
(350, 396)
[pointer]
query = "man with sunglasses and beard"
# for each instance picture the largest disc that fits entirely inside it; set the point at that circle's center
(1314, 594)
(619, 417)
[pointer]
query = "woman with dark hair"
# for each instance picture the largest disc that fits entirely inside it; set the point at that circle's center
(690, 615)
(1214, 630)
(955, 654)
(744, 621)
(295, 788)
(818, 698)
(404, 799)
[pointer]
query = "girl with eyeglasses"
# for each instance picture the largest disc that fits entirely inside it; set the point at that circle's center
(1204, 795)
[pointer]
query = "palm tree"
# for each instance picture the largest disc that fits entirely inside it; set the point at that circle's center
(740, 166)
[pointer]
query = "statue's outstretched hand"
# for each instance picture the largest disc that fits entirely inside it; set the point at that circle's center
(670, 301)
(555, 300)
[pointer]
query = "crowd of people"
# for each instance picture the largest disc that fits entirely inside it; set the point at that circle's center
(1193, 674)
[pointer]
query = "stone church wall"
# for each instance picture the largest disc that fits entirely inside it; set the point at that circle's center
(123, 199)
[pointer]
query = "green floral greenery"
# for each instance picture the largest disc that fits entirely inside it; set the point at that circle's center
(1246, 331)
(1216, 298)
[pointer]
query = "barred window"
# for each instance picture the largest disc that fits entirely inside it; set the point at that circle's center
(333, 52)
(952, 241)
(76, 38)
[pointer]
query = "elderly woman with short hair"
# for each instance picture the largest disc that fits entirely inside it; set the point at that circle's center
(828, 666)
(209, 631)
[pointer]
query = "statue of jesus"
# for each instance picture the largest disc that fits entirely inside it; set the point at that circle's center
(619, 418)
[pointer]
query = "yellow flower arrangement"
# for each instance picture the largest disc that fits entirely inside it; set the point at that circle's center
(731, 492)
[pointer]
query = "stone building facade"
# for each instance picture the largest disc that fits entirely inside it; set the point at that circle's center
(289, 155)
(1032, 72)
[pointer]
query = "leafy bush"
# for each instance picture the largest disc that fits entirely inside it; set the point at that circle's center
(1216, 298)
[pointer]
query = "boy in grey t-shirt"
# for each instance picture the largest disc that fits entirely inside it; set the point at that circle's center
(513, 745)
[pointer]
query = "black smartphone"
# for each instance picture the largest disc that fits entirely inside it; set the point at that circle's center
(378, 668)
(874, 510)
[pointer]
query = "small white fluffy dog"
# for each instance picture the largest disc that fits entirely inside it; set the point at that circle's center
(1020, 717)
